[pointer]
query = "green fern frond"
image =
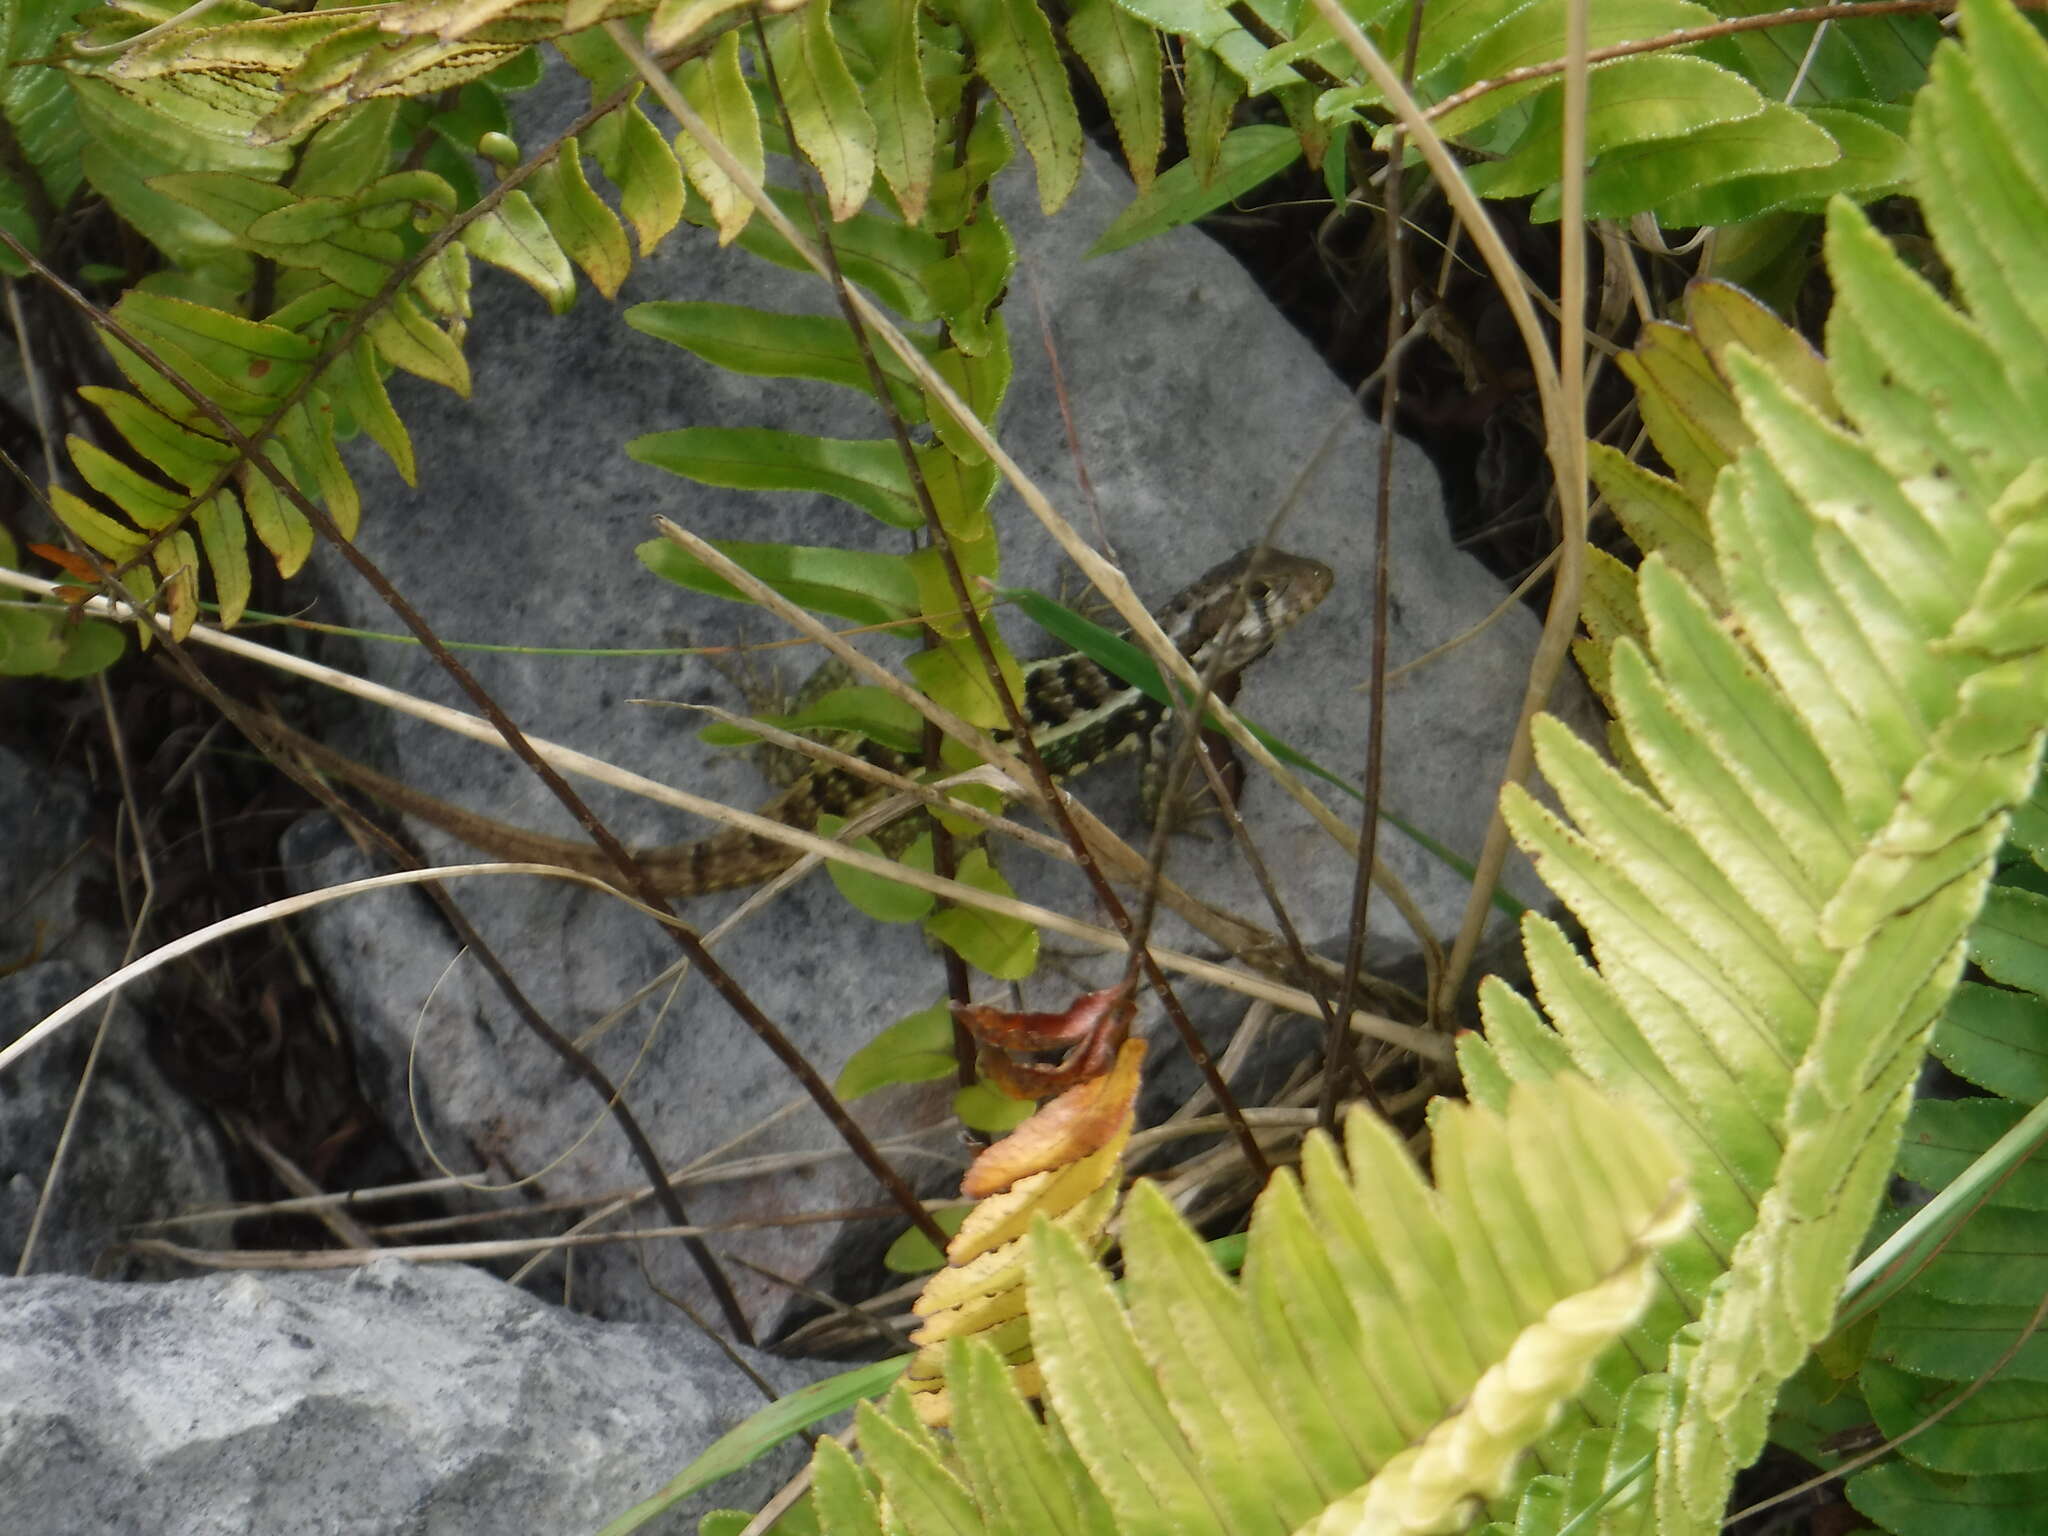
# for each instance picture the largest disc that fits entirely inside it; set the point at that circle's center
(1388, 1355)
(342, 236)
(1946, 1366)
(41, 118)
(259, 376)
(265, 77)
(1825, 743)
(1710, 135)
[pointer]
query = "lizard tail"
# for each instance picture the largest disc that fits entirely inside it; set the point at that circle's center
(728, 859)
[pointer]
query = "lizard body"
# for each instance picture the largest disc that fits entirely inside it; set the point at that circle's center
(1080, 714)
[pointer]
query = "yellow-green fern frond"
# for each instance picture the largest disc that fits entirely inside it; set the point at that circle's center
(1388, 1356)
(1825, 730)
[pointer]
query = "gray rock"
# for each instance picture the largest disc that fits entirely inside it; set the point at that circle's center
(395, 1401)
(46, 830)
(141, 1149)
(1196, 406)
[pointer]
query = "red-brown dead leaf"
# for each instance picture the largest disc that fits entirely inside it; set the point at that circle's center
(1080, 1121)
(68, 559)
(1009, 1031)
(1041, 1080)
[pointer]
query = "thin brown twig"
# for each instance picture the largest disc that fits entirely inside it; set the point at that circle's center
(469, 938)
(1336, 1052)
(1188, 750)
(737, 1360)
(1857, 1463)
(1307, 972)
(1084, 483)
(1686, 37)
(881, 1327)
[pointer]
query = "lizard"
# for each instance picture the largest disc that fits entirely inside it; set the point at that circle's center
(1080, 714)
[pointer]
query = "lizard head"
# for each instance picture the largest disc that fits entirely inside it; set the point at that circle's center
(1279, 590)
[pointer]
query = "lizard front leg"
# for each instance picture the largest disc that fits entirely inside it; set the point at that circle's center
(1194, 801)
